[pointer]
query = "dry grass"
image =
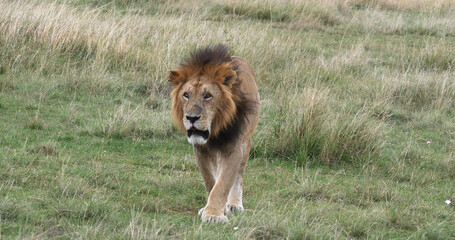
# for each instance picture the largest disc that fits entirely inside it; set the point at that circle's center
(423, 91)
(419, 5)
(61, 33)
(91, 153)
(127, 120)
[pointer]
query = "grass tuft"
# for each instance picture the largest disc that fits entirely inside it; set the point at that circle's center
(48, 149)
(423, 91)
(35, 124)
(312, 130)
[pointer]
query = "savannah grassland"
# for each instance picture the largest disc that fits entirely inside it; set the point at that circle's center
(356, 137)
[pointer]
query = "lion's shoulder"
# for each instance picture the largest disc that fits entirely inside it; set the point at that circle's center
(247, 102)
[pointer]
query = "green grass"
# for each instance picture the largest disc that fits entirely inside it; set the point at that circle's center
(356, 137)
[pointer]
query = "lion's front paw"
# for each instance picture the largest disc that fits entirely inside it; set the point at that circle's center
(213, 216)
(226, 211)
(233, 208)
(207, 218)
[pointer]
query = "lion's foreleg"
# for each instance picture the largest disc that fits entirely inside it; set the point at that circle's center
(206, 165)
(216, 204)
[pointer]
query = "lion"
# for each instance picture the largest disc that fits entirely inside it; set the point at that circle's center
(215, 101)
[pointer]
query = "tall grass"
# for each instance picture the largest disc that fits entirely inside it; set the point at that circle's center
(97, 48)
(311, 127)
(56, 38)
(419, 5)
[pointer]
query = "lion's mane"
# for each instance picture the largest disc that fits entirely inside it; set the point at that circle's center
(231, 116)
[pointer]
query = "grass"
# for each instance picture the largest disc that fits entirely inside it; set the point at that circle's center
(355, 139)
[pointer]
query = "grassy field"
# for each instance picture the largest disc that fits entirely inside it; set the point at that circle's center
(356, 137)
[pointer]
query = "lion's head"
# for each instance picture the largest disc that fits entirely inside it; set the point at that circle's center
(206, 100)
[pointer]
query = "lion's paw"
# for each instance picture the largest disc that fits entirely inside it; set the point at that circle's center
(233, 208)
(211, 217)
(206, 218)
(226, 211)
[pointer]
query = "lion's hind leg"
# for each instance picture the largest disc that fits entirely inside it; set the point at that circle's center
(234, 203)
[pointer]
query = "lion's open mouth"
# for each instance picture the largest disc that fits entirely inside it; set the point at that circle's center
(196, 132)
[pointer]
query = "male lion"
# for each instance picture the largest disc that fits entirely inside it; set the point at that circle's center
(216, 102)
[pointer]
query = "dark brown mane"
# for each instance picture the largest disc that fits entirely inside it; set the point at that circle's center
(235, 128)
(212, 61)
(212, 55)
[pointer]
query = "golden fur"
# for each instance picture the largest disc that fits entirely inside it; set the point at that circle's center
(218, 73)
(215, 100)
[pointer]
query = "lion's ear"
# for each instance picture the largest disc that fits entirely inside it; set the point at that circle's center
(176, 77)
(230, 79)
(226, 76)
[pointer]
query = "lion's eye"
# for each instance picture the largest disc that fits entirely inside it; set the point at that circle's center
(208, 96)
(186, 95)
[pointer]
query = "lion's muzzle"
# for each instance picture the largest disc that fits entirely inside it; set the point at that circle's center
(197, 129)
(196, 136)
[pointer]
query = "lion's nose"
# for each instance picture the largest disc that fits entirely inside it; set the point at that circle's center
(193, 119)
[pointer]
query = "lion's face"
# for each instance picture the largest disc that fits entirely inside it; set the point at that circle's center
(199, 97)
(203, 98)
(202, 101)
